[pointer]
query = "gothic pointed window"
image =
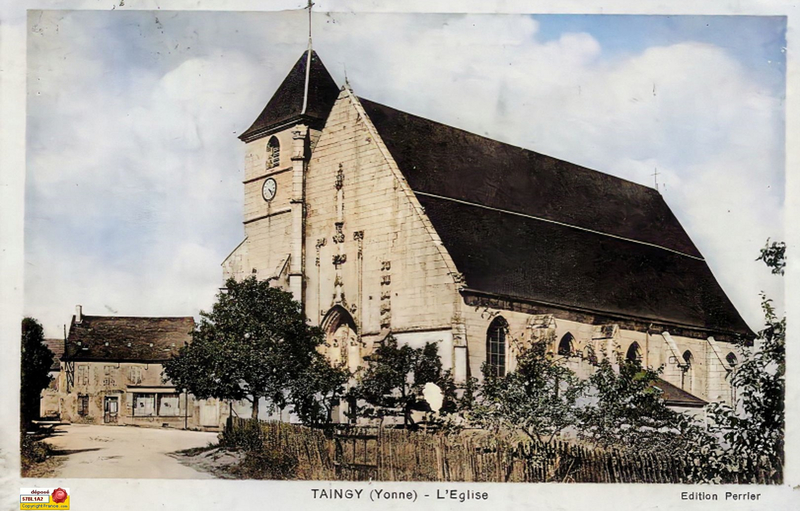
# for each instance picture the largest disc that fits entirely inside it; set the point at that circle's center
(273, 153)
(731, 359)
(634, 354)
(565, 347)
(496, 347)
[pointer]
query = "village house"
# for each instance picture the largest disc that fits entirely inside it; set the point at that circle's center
(380, 221)
(112, 373)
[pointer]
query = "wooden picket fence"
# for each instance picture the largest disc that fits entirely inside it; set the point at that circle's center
(380, 454)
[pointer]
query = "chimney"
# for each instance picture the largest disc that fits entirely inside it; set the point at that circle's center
(78, 313)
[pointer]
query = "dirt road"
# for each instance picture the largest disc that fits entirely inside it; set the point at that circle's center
(125, 452)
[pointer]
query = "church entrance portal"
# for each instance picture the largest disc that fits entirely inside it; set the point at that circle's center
(341, 338)
(343, 347)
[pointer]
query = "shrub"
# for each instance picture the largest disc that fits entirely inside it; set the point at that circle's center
(32, 452)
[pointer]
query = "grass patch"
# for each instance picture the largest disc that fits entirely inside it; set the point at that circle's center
(266, 464)
(36, 457)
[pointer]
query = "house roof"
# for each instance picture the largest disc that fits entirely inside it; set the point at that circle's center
(56, 346)
(286, 104)
(675, 396)
(127, 338)
(524, 225)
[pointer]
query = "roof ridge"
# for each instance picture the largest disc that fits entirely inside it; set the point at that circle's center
(484, 137)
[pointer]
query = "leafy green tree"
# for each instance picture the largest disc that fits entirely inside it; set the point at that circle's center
(539, 398)
(392, 382)
(35, 365)
(254, 344)
(625, 410)
(317, 389)
(774, 256)
(753, 428)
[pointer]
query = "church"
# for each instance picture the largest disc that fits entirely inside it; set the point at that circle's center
(381, 222)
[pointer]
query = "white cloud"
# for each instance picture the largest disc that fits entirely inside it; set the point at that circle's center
(134, 169)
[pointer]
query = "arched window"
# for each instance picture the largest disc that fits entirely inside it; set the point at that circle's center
(496, 346)
(273, 153)
(565, 347)
(731, 359)
(634, 354)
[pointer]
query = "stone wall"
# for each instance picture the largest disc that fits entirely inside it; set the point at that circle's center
(369, 247)
(706, 378)
(49, 402)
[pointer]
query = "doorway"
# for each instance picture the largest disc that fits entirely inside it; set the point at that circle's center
(110, 409)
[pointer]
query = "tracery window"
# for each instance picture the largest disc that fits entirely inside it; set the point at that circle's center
(496, 346)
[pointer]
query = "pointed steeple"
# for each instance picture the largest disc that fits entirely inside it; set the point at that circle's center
(295, 101)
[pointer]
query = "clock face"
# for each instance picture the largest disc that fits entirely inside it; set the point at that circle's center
(268, 189)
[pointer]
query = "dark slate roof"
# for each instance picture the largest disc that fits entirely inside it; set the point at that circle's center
(56, 346)
(675, 396)
(286, 104)
(524, 225)
(121, 338)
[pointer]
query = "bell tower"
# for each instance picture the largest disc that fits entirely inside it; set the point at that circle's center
(278, 148)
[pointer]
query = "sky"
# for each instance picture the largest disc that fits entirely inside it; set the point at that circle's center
(133, 186)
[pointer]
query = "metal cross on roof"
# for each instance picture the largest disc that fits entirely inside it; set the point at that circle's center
(655, 175)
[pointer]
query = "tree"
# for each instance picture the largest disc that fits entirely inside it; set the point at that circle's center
(774, 256)
(625, 410)
(254, 344)
(392, 383)
(35, 365)
(538, 398)
(753, 428)
(317, 389)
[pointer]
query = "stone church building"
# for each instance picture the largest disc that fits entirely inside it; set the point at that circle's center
(381, 222)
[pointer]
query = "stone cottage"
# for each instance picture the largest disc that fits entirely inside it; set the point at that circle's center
(112, 373)
(381, 221)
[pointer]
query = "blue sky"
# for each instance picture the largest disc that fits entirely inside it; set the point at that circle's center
(757, 41)
(134, 195)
